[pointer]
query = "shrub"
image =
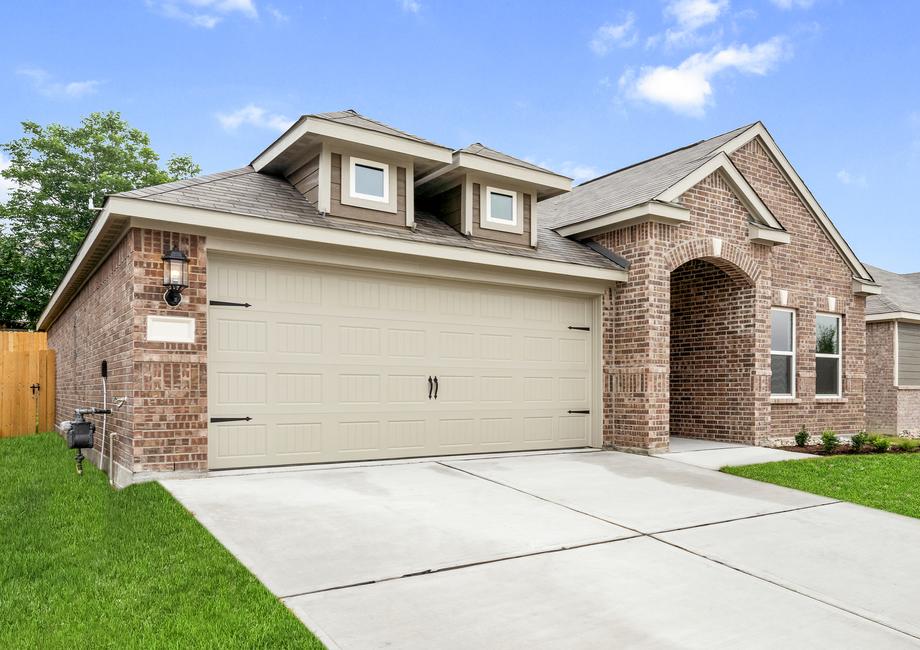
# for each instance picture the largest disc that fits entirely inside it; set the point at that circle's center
(829, 441)
(879, 443)
(859, 440)
(905, 444)
(801, 438)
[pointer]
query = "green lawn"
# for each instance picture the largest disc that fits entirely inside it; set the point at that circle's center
(885, 481)
(82, 565)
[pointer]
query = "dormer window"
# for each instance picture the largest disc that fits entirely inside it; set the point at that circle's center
(369, 180)
(501, 207)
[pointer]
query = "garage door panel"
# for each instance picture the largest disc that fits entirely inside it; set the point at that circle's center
(334, 365)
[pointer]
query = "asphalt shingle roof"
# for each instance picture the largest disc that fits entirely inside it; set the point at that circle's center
(631, 185)
(354, 118)
(480, 149)
(899, 292)
(245, 191)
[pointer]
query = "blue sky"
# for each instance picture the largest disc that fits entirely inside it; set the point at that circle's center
(583, 88)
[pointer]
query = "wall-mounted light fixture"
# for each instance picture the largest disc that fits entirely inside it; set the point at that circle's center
(175, 276)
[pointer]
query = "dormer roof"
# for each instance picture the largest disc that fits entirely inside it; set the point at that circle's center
(352, 128)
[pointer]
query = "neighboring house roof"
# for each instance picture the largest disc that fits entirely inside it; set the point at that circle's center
(900, 293)
(632, 185)
(247, 192)
(479, 149)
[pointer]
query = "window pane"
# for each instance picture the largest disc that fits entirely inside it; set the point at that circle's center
(781, 331)
(369, 180)
(502, 207)
(827, 335)
(781, 380)
(826, 382)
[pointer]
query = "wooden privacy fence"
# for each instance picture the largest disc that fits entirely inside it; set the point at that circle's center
(26, 384)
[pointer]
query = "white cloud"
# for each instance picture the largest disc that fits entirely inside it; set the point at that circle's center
(277, 14)
(793, 4)
(252, 115)
(578, 172)
(687, 88)
(6, 185)
(411, 6)
(848, 178)
(690, 16)
(622, 34)
(203, 13)
(43, 83)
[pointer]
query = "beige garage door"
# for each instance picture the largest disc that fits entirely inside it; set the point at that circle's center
(331, 365)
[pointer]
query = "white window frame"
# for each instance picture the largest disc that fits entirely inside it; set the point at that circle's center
(785, 353)
(514, 206)
(384, 167)
(824, 355)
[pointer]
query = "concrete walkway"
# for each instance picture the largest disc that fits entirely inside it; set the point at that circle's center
(575, 550)
(716, 455)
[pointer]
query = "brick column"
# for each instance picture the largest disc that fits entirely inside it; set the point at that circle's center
(170, 400)
(636, 351)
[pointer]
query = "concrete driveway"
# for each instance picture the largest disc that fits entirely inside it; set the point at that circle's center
(577, 550)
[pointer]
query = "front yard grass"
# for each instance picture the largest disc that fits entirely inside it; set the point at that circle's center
(885, 481)
(82, 565)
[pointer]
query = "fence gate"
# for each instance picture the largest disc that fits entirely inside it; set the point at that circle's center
(27, 386)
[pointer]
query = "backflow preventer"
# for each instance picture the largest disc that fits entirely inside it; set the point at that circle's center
(80, 433)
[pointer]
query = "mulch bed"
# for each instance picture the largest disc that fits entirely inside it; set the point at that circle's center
(843, 450)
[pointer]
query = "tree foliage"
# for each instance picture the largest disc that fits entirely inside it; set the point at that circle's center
(55, 170)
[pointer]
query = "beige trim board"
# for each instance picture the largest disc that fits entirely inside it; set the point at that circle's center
(547, 180)
(759, 234)
(901, 316)
(668, 213)
(863, 288)
(739, 184)
(198, 218)
(759, 130)
(320, 127)
(321, 254)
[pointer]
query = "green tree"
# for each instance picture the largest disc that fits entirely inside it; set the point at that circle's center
(55, 170)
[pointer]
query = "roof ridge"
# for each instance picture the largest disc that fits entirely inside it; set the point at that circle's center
(668, 153)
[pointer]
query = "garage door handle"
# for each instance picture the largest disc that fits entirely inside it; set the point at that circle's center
(430, 386)
(436, 388)
(584, 412)
(245, 419)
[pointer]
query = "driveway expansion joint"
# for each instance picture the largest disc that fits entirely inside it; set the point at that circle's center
(465, 565)
(776, 583)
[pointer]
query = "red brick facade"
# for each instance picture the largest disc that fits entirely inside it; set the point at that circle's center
(686, 340)
(163, 425)
(731, 284)
(890, 409)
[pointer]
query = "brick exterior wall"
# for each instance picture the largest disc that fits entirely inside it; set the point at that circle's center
(97, 326)
(712, 354)
(171, 399)
(889, 409)
(807, 272)
(163, 425)
(881, 392)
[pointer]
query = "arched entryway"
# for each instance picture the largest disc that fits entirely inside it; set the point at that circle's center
(712, 351)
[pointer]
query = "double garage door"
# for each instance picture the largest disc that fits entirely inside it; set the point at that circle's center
(330, 365)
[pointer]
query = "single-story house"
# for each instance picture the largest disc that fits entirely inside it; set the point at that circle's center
(358, 292)
(893, 368)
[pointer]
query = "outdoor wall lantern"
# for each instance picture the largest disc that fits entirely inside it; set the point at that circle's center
(175, 276)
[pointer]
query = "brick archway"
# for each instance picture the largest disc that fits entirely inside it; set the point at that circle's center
(712, 342)
(729, 258)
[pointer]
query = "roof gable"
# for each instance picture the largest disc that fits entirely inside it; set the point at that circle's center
(632, 185)
(759, 131)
